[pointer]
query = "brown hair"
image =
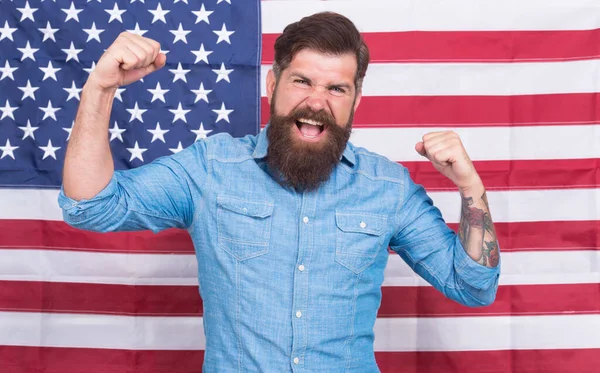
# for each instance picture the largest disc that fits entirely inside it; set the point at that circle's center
(325, 32)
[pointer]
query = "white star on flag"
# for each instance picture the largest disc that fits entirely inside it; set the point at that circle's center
(115, 13)
(136, 152)
(7, 111)
(72, 53)
(223, 113)
(91, 68)
(223, 73)
(180, 34)
(72, 13)
(158, 93)
(115, 132)
(179, 73)
(7, 71)
(94, 33)
(73, 91)
(8, 150)
(159, 14)
(201, 54)
(179, 113)
(201, 93)
(28, 130)
(202, 15)
(223, 34)
(201, 133)
(49, 150)
(137, 30)
(178, 149)
(50, 71)
(6, 32)
(28, 51)
(68, 130)
(48, 32)
(136, 113)
(158, 133)
(49, 111)
(28, 91)
(27, 12)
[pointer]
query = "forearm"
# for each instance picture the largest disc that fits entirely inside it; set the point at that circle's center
(476, 228)
(88, 164)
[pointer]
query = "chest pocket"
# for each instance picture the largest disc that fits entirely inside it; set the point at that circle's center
(359, 237)
(243, 226)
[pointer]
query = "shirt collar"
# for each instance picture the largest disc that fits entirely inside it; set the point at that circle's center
(262, 143)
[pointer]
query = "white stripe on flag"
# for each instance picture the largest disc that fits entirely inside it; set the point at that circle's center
(518, 268)
(487, 333)
(429, 15)
(416, 334)
(101, 331)
(489, 143)
(506, 206)
(542, 267)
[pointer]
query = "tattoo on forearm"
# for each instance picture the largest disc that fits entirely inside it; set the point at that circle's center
(476, 231)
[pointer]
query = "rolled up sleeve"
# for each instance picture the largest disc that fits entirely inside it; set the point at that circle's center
(434, 251)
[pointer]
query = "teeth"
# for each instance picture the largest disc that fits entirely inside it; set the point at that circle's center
(308, 121)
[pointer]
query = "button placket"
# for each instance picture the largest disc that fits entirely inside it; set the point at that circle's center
(300, 300)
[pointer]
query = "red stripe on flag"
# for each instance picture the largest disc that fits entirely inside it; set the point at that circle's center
(57, 235)
(63, 297)
(511, 300)
(505, 361)
(472, 111)
(546, 235)
(518, 236)
(397, 301)
(516, 175)
(472, 46)
(25, 359)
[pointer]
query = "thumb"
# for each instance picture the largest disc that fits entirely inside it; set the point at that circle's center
(420, 148)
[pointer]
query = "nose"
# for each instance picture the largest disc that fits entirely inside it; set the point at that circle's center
(317, 100)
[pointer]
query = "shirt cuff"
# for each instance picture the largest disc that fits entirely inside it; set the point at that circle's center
(473, 273)
(71, 206)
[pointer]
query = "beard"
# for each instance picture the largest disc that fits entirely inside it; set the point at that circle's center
(299, 164)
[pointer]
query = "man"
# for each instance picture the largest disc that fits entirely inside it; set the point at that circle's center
(290, 227)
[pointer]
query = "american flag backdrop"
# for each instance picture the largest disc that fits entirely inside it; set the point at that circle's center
(518, 80)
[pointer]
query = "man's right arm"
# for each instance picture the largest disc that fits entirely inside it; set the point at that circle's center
(88, 162)
(94, 196)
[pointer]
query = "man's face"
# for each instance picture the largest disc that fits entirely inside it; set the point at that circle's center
(312, 107)
(318, 83)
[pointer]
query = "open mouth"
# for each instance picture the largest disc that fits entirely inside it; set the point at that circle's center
(309, 129)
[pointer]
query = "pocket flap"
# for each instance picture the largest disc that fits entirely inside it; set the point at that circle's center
(360, 222)
(257, 209)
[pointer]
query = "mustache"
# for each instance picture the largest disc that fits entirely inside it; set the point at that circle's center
(307, 113)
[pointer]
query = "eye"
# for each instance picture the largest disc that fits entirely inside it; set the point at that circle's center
(337, 91)
(300, 81)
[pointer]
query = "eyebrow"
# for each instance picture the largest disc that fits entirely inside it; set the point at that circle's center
(338, 85)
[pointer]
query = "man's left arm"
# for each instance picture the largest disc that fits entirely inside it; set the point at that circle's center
(476, 228)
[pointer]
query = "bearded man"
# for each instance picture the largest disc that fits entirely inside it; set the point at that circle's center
(291, 227)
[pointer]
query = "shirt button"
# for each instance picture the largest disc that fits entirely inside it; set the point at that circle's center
(305, 220)
(298, 314)
(296, 360)
(363, 224)
(301, 267)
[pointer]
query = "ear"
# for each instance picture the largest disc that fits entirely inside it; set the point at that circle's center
(357, 101)
(270, 84)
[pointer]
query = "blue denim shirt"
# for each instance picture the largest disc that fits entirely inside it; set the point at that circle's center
(290, 281)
